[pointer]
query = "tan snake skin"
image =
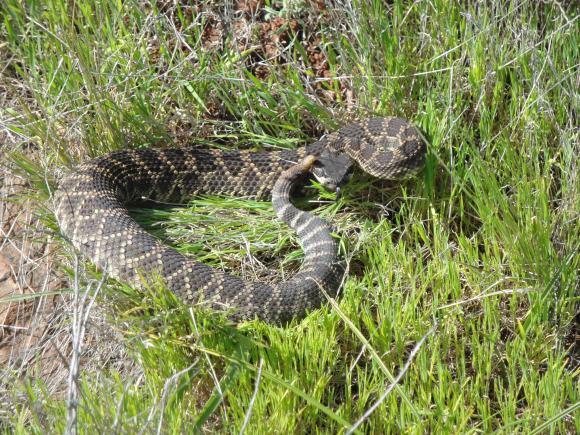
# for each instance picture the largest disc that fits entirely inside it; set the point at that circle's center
(91, 208)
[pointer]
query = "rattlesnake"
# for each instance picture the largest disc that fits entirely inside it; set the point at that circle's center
(91, 209)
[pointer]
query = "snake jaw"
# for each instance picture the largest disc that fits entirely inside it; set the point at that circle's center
(332, 169)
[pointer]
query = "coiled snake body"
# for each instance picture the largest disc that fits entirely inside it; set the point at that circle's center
(91, 208)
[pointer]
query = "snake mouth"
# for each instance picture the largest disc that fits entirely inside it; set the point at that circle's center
(332, 170)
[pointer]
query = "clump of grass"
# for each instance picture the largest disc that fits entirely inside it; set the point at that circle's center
(484, 244)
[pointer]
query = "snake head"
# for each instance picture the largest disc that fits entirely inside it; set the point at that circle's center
(332, 169)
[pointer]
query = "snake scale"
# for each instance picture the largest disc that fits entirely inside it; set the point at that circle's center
(91, 208)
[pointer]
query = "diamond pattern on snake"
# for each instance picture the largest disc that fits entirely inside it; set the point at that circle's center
(91, 208)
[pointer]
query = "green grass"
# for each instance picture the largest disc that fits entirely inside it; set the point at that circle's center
(483, 246)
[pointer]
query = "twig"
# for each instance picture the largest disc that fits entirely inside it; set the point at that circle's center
(168, 382)
(252, 400)
(80, 318)
(486, 295)
(211, 368)
(394, 383)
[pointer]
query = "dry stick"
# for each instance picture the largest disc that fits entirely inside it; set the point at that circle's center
(168, 382)
(80, 317)
(374, 355)
(72, 397)
(119, 409)
(487, 295)
(394, 383)
(206, 354)
(252, 400)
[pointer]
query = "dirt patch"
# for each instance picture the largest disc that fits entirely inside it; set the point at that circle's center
(26, 269)
(264, 35)
(36, 307)
(29, 303)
